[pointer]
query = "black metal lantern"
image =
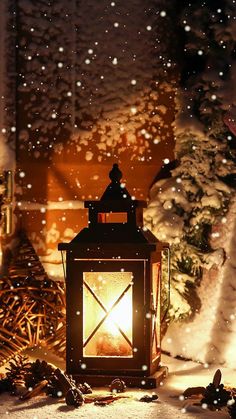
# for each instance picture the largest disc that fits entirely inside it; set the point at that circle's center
(113, 293)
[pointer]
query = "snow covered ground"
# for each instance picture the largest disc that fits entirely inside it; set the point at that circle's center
(181, 375)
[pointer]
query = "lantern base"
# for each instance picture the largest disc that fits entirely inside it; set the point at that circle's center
(152, 381)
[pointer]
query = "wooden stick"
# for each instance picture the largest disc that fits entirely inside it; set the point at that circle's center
(65, 383)
(37, 331)
(36, 390)
(108, 398)
(29, 333)
(8, 332)
(11, 342)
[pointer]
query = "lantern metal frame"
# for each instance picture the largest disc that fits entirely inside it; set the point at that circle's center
(115, 247)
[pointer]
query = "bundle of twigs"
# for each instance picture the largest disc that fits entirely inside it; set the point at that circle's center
(32, 312)
(32, 307)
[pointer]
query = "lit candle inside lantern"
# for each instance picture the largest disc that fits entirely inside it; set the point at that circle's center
(108, 314)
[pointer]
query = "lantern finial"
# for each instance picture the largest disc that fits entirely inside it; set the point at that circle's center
(115, 190)
(115, 174)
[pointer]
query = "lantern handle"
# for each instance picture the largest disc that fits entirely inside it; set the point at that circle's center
(168, 295)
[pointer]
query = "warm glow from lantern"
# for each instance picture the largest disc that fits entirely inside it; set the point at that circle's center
(121, 315)
(108, 314)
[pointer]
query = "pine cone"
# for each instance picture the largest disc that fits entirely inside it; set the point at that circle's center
(232, 408)
(117, 386)
(55, 387)
(84, 388)
(18, 368)
(216, 397)
(38, 371)
(74, 397)
(148, 399)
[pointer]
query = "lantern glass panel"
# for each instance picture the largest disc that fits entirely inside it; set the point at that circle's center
(107, 314)
(156, 310)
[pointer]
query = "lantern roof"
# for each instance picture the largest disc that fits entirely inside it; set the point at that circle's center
(116, 197)
(115, 218)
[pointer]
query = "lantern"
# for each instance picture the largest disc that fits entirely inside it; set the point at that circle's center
(113, 293)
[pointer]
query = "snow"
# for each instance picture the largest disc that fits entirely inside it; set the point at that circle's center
(182, 374)
(210, 335)
(176, 212)
(160, 216)
(113, 78)
(104, 68)
(2, 63)
(7, 156)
